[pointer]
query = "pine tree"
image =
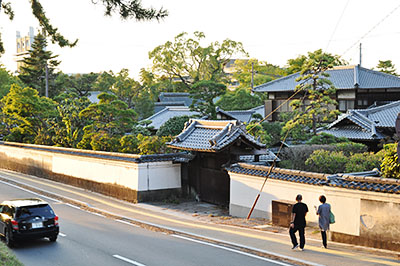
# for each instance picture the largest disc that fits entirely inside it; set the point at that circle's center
(33, 71)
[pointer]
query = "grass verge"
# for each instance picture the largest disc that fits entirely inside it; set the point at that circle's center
(7, 257)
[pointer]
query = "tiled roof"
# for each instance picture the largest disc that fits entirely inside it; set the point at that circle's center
(364, 183)
(158, 119)
(175, 97)
(241, 115)
(158, 106)
(345, 77)
(211, 135)
(268, 157)
(365, 124)
(259, 110)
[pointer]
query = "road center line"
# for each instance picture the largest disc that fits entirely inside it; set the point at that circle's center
(233, 250)
(128, 260)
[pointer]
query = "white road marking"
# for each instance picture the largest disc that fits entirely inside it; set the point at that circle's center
(73, 206)
(128, 260)
(97, 214)
(232, 250)
(61, 234)
(128, 223)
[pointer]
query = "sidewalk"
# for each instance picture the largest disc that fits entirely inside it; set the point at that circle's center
(208, 223)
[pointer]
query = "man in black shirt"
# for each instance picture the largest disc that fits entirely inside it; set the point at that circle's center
(298, 222)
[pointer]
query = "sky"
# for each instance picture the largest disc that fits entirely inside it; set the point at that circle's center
(272, 31)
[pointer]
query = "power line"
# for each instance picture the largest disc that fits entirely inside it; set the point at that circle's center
(337, 24)
(374, 27)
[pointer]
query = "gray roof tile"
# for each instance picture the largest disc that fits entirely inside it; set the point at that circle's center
(366, 183)
(164, 115)
(346, 77)
(365, 124)
(211, 135)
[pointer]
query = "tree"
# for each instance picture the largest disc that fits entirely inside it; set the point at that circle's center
(318, 104)
(27, 115)
(189, 62)
(110, 120)
(126, 88)
(125, 8)
(81, 84)
(33, 71)
(6, 80)
(203, 93)
(296, 64)
(68, 125)
(387, 67)
(262, 72)
(240, 99)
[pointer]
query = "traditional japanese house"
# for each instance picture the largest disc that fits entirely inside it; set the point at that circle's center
(214, 144)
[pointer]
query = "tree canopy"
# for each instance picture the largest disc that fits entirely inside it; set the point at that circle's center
(33, 70)
(387, 66)
(186, 60)
(318, 104)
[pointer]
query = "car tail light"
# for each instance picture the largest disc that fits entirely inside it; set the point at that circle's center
(14, 224)
(56, 220)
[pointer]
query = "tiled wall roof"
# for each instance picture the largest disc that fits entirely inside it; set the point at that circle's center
(211, 135)
(341, 180)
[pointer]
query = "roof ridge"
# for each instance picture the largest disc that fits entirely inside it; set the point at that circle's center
(276, 80)
(379, 73)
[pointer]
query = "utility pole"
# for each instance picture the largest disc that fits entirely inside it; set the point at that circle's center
(360, 54)
(47, 81)
(252, 75)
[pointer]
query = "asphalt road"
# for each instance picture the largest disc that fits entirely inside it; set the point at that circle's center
(90, 239)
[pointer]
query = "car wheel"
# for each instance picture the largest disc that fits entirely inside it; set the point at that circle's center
(8, 240)
(53, 238)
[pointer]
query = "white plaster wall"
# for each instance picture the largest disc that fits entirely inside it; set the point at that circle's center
(159, 175)
(136, 176)
(99, 170)
(244, 190)
(345, 203)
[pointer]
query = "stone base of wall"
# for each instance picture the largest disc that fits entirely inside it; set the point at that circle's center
(366, 241)
(240, 211)
(108, 189)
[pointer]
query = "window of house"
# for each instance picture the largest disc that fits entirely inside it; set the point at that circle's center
(345, 105)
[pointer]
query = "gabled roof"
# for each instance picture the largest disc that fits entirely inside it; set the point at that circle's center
(343, 77)
(212, 136)
(365, 124)
(349, 181)
(158, 106)
(158, 119)
(241, 115)
(175, 97)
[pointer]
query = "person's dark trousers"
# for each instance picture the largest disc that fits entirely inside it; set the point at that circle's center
(292, 232)
(324, 242)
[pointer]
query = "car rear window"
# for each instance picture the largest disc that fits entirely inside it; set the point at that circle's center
(40, 210)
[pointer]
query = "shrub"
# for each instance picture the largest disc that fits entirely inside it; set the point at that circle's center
(351, 148)
(296, 156)
(337, 162)
(360, 162)
(323, 161)
(173, 126)
(390, 166)
(325, 138)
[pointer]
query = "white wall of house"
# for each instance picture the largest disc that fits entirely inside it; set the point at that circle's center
(345, 203)
(136, 176)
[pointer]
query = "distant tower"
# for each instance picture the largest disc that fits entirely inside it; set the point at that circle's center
(24, 44)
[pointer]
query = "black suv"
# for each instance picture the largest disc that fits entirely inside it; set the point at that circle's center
(27, 219)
